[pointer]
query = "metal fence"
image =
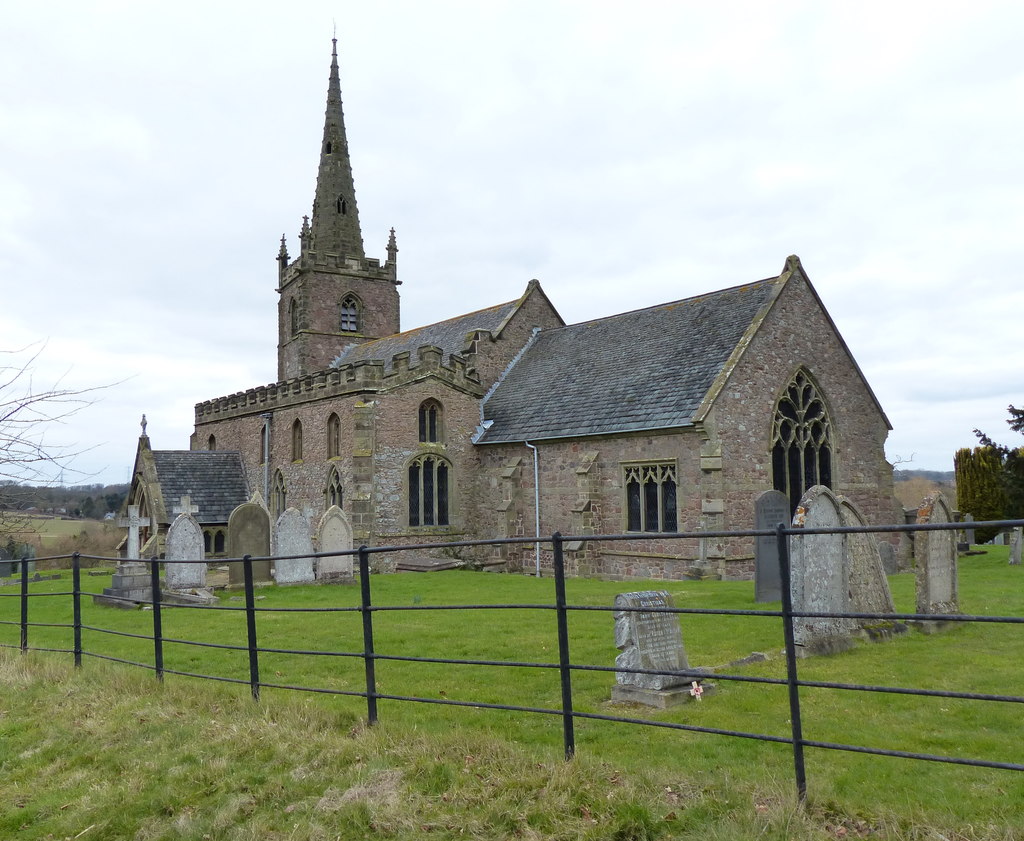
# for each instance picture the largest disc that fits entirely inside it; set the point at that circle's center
(564, 665)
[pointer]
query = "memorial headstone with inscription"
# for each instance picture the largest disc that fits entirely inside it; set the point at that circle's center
(820, 575)
(770, 509)
(185, 543)
(334, 535)
(249, 534)
(935, 554)
(292, 538)
(649, 637)
(869, 588)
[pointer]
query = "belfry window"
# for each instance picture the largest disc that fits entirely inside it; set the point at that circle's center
(333, 436)
(801, 440)
(293, 316)
(651, 497)
(342, 205)
(327, 149)
(333, 491)
(430, 416)
(211, 443)
(350, 314)
(429, 491)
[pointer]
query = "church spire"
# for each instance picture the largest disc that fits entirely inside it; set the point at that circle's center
(335, 226)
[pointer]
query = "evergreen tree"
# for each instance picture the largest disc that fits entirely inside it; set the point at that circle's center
(979, 486)
(1011, 465)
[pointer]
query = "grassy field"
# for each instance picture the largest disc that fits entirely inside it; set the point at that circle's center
(54, 535)
(202, 754)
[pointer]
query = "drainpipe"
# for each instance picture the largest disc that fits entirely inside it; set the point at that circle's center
(266, 457)
(536, 508)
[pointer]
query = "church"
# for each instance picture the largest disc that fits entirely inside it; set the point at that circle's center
(507, 422)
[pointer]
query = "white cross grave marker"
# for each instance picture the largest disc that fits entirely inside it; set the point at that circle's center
(133, 522)
(185, 506)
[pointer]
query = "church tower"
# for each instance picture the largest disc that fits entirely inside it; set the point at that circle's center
(332, 295)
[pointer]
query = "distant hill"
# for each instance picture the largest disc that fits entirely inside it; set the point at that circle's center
(942, 476)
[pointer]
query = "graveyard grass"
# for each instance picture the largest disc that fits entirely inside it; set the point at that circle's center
(106, 752)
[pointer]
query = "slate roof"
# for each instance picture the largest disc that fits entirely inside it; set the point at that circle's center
(448, 335)
(214, 479)
(646, 369)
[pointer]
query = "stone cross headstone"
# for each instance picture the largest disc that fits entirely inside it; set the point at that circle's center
(334, 535)
(185, 506)
(936, 558)
(185, 543)
(969, 529)
(249, 534)
(869, 588)
(1016, 546)
(820, 575)
(133, 522)
(649, 640)
(887, 552)
(292, 538)
(770, 509)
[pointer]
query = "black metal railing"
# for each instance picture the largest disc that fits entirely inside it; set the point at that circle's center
(564, 665)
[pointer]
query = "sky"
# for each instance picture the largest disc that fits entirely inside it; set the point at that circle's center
(151, 156)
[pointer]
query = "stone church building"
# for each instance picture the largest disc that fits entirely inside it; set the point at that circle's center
(671, 418)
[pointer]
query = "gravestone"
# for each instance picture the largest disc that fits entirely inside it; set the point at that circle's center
(887, 552)
(935, 554)
(820, 575)
(1015, 546)
(869, 588)
(648, 639)
(770, 509)
(249, 534)
(292, 537)
(969, 529)
(334, 534)
(185, 543)
(130, 584)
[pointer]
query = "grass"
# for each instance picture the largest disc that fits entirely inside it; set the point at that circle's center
(205, 760)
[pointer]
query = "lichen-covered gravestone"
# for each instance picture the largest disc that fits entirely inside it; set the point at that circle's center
(887, 552)
(770, 509)
(249, 534)
(935, 553)
(334, 535)
(185, 543)
(649, 639)
(869, 588)
(292, 538)
(820, 575)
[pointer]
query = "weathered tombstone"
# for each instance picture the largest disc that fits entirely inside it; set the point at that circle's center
(649, 639)
(1015, 546)
(770, 509)
(249, 534)
(820, 575)
(292, 538)
(334, 534)
(887, 552)
(185, 543)
(969, 529)
(131, 582)
(869, 588)
(935, 553)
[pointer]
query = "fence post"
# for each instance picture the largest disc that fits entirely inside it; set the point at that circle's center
(368, 658)
(24, 604)
(250, 626)
(158, 627)
(568, 721)
(791, 676)
(76, 605)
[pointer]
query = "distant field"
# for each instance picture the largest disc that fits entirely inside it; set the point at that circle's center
(56, 534)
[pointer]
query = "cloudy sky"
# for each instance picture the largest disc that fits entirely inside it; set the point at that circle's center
(151, 156)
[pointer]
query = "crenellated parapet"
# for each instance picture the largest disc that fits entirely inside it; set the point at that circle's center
(369, 268)
(367, 376)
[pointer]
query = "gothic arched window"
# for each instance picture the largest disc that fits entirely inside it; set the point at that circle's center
(349, 317)
(211, 443)
(278, 495)
(428, 491)
(801, 440)
(333, 436)
(430, 417)
(297, 440)
(651, 497)
(333, 491)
